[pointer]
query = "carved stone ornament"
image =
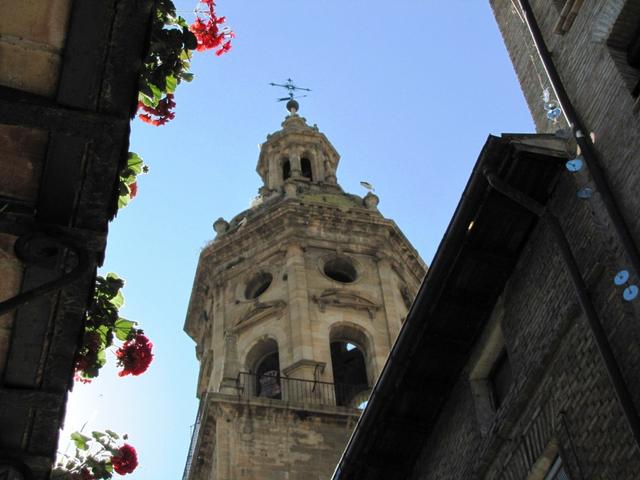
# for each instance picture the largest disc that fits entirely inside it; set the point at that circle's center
(258, 313)
(339, 298)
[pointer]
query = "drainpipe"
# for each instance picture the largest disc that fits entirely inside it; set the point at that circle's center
(583, 140)
(611, 365)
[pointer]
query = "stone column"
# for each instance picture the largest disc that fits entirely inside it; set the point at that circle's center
(391, 310)
(217, 317)
(300, 338)
(296, 169)
(231, 367)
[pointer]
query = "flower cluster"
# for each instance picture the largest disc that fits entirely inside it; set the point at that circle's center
(103, 326)
(96, 458)
(211, 32)
(135, 355)
(169, 58)
(162, 111)
(125, 460)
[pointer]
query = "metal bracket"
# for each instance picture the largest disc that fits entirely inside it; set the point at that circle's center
(40, 248)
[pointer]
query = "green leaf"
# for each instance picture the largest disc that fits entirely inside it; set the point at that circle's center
(157, 93)
(112, 434)
(190, 40)
(118, 300)
(102, 359)
(135, 163)
(123, 328)
(80, 440)
(186, 76)
(171, 84)
(123, 200)
(97, 435)
(112, 276)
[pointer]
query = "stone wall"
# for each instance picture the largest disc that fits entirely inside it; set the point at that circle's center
(32, 38)
(266, 440)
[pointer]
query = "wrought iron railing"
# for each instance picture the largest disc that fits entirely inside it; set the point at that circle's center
(301, 391)
(195, 432)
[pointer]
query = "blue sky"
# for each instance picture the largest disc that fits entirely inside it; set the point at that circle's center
(406, 91)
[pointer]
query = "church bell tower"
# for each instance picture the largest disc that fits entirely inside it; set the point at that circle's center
(294, 308)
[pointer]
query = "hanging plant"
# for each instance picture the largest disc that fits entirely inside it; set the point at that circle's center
(96, 457)
(103, 327)
(169, 59)
(128, 186)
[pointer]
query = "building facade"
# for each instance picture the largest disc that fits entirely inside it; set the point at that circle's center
(519, 357)
(295, 306)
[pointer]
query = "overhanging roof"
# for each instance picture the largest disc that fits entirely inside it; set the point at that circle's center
(475, 259)
(87, 127)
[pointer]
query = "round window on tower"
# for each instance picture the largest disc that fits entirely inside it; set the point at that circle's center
(258, 285)
(340, 269)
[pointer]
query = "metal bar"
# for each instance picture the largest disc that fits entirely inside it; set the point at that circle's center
(611, 364)
(584, 141)
(77, 272)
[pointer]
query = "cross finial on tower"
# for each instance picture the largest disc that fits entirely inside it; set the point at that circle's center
(292, 104)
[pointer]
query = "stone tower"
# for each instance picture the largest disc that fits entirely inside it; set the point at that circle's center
(294, 308)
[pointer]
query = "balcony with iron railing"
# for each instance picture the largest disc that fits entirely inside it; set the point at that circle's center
(296, 390)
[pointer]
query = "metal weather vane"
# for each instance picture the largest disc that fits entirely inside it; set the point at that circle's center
(292, 90)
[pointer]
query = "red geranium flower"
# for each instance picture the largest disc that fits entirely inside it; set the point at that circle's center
(133, 189)
(135, 355)
(125, 460)
(210, 33)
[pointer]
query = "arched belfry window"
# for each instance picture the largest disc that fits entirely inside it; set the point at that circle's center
(268, 377)
(286, 169)
(305, 168)
(349, 365)
(264, 366)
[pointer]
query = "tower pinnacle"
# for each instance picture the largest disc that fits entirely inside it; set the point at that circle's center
(292, 104)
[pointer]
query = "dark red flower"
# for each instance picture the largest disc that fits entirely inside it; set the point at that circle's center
(162, 111)
(125, 460)
(133, 189)
(135, 355)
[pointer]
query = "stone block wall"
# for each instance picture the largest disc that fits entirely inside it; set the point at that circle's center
(266, 440)
(561, 396)
(32, 38)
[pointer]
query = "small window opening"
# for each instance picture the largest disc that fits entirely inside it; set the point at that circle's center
(305, 167)
(341, 270)
(500, 379)
(349, 372)
(286, 169)
(268, 377)
(258, 285)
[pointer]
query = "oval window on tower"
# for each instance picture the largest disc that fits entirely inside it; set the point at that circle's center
(258, 285)
(341, 270)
